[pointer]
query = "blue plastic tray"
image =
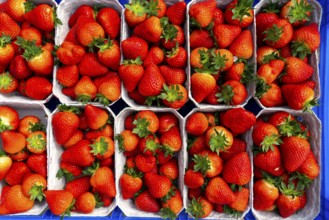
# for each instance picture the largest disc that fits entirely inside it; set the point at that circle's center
(321, 111)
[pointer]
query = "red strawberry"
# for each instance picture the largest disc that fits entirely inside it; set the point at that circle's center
(42, 17)
(225, 34)
(173, 75)
(202, 84)
(265, 135)
(242, 46)
(131, 71)
(85, 90)
(130, 185)
(265, 195)
(197, 124)
(218, 17)
(79, 154)
(38, 88)
(110, 21)
(176, 57)
(240, 13)
(174, 96)
(297, 12)
(149, 30)
(170, 169)
(218, 192)
(19, 68)
(8, 83)
(6, 163)
(200, 207)
(272, 97)
(68, 75)
(155, 55)
(299, 97)
(173, 205)
(102, 181)
(242, 200)
(135, 13)
(297, 71)
(134, 47)
(176, 13)
(88, 30)
(201, 38)
(232, 92)
(96, 117)
(12, 142)
(202, 12)
(279, 34)
(171, 139)
(69, 53)
(237, 170)
(269, 72)
(90, 66)
(215, 163)
(15, 201)
(246, 120)
(269, 161)
(263, 21)
(170, 40)
(59, 201)
(265, 54)
(32, 34)
(78, 186)
(109, 54)
(83, 10)
(288, 203)
(9, 118)
(310, 167)
(16, 173)
(151, 82)
(16, 9)
(147, 203)
(8, 26)
(38, 163)
(145, 163)
(7, 51)
(158, 185)
(193, 180)
(237, 147)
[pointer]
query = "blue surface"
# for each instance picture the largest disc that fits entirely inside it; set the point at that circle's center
(321, 111)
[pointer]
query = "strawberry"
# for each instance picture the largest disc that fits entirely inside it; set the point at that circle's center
(156, 8)
(69, 53)
(8, 83)
(38, 163)
(86, 203)
(83, 10)
(146, 202)
(269, 161)
(296, 71)
(9, 118)
(81, 150)
(237, 147)
(240, 13)
(109, 54)
(265, 194)
(305, 40)
(173, 75)
(128, 141)
(167, 121)
(8, 26)
(193, 180)
(212, 168)
(151, 82)
(272, 97)
(68, 75)
(242, 46)
(289, 200)
(64, 124)
(265, 135)
(265, 54)
(149, 145)
(202, 84)
(237, 170)
(103, 181)
(16, 173)
(18, 68)
(131, 72)
(150, 29)
(158, 186)
(71, 36)
(96, 117)
(223, 59)
(232, 92)
(43, 17)
(238, 120)
(170, 169)
(242, 200)
(176, 13)
(78, 186)
(171, 140)
(294, 151)
(201, 38)
(7, 51)
(225, 34)
(310, 167)
(170, 40)
(12, 142)
(279, 34)
(197, 124)
(60, 202)
(88, 30)
(106, 131)
(279, 118)
(36, 142)
(145, 163)
(218, 192)
(174, 96)
(68, 171)
(173, 205)
(33, 186)
(38, 88)
(134, 47)
(135, 13)
(202, 12)
(110, 20)
(109, 91)
(90, 66)
(32, 34)
(15, 201)
(297, 12)
(137, 97)
(269, 72)
(218, 139)
(263, 21)
(102, 147)
(130, 184)
(6, 163)
(155, 55)
(16, 9)
(299, 97)
(200, 207)
(85, 90)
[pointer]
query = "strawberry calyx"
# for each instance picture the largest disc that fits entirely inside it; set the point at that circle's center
(99, 147)
(4, 126)
(98, 42)
(67, 108)
(299, 10)
(89, 171)
(269, 141)
(31, 50)
(141, 128)
(151, 99)
(98, 200)
(167, 151)
(84, 98)
(273, 33)
(272, 56)
(138, 7)
(190, 141)
(248, 75)
(232, 212)
(64, 173)
(36, 127)
(218, 61)
(36, 192)
(235, 187)
(273, 180)
(137, 61)
(120, 140)
(169, 30)
(6, 80)
(151, 145)
(3, 153)
(171, 93)
(225, 94)
(291, 190)
(57, 21)
(152, 7)
(167, 213)
(289, 127)
(68, 210)
(37, 142)
(29, 5)
(310, 104)
(202, 164)
(218, 142)
(195, 208)
(170, 194)
(300, 49)
(272, 8)
(301, 179)
(173, 52)
(241, 9)
(133, 172)
(4, 40)
(261, 87)
(102, 99)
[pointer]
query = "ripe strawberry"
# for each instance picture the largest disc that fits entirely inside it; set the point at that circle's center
(12, 142)
(299, 97)
(167, 121)
(171, 39)
(171, 140)
(155, 55)
(16, 173)
(218, 192)
(16, 9)
(177, 13)
(32, 34)
(131, 71)
(225, 34)
(103, 181)
(242, 200)
(18, 68)
(134, 47)
(96, 117)
(265, 135)
(279, 118)
(8, 26)
(149, 145)
(200, 207)
(68, 75)
(269, 161)
(36, 142)
(146, 202)
(202, 84)
(69, 53)
(79, 154)
(272, 97)
(38, 163)
(197, 124)
(8, 83)
(145, 163)
(151, 82)
(33, 186)
(60, 202)
(296, 71)
(158, 186)
(237, 170)
(85, 90)
(43, 17)
(6, 163)
(305, 40)
(202, 12)
(38, 88)
(174, 96)
(135, 13)
(88, 30)
(130, 184)
(242, 46)
(279, 34)
(170, 169)
(265, 194)
(294, 151)
(201, 38)
(239, 13)
(90, 66)
(7, 51)
(9, 118)
(68, 171)
(176, 57)
(86, 203)
(238, 146)
(173, 75)
(109, 91)
(128, 141)
(265, 54)
(297, 12)
(15, 201)
(106, 131)
(288, 203)
(269, 72)
(102, 147)
(109, 54)
(173, 205)
(193, 180)
(223, 59)
(78, 186)
(218, 139)
(83, 10)
(232, 92)
(310, 167)
(199, 57)
(212, 168)
(110, 20)
(149, 30)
